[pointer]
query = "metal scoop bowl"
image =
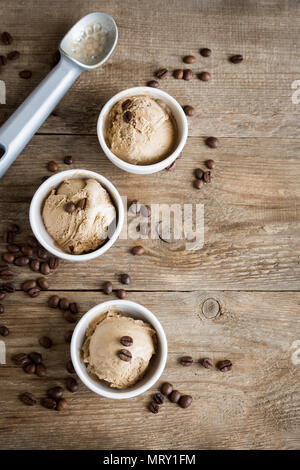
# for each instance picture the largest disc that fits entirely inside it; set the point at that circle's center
(86, 46)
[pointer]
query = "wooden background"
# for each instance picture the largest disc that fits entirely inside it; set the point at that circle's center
(249, 265)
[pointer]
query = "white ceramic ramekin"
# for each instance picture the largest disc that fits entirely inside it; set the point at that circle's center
(179, 117)
(157, 364)
(39, 229)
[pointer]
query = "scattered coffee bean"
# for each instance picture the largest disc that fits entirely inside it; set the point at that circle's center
(189, 110)
(8, 287)
(7, 38)
(174, 397)
(22, 261)
(53, 262)
(68, 160)
(48, 403)
(74, 307)
(153, 84)
(30, 369)
(125, 279)
(72, 384)
(154, 407)
(35, 357)
(69, 316)
(9, 236)
(204, 76)
(26, 74)
(43, 283)
(178, 74)
(126, 341)
(13, 249)
(27, 250)
(52, 166)
(121, 293)
(35, 265)
(70, 207)
(68, 336)
(198, 184)
(7, 275)
(205, 52)
(186, 361)
(236, 59)
(212, 142)
(138, 250)
(62, 405)
(126, 104)
(162, 73)
(45, 342)
(13, 55)
(8, 257)
(3, 266)
(127, 116)
(199, 173)
(211, 164)
(207, 177)
(125, 355)
(64, 303)
(28, 399)
(2, 295)
(159, 398)
(3, 60)
(207, 362)
(82, 204)
(53, 301)
(20, 359)
(32, 241)
(41, 370)
(185, 401)
(70, 367)
(55, 392)
(42, 253)
(189, 59)
(187, 74)
(166, 388)
(107, 287)
(1, 309)
(4, 331)
(45, 269)
(224, 366)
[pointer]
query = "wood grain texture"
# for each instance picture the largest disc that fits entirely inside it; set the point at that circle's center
(253, 406)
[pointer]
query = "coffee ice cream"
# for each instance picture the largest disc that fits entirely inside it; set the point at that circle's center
(141, 130)
(107, 339)
(78, 214)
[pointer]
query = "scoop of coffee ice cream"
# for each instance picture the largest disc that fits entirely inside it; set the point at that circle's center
(85, 228)
(141, 130)
(102, 346)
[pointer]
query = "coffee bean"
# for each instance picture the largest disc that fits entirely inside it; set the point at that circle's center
(126, 104)
(189, 59)
(1, 309)
(127, 116)
(26, 74)
(74, 307)
(166, 388)
(48, 403)
(20, 359)
(211, 164)
(28, 399)
(34, 292)
(69, 316)
(171, 167)
(159, 398)
(70, 207)
(35, 357)
(45, 269)
(35, 265)
(207, 177)
(32, 241)
(224, 366)
(27, 250)
(189, 110)
(8, 287)
(138, 250)
(187, 74)
(22, 261)
(52, 166)
(30, 369)
(125, 355)
(45, 342)
(4, 331)
(8, 257)
(68, 336)
(43, 283)
(126, 341)
(53, 262)
(154, 407)
(13, 249)
(198, 184)
(2, 295)
(68, 160)
(174, 397)
(7, 275)
(13, 55)
(3, 60)
(205, 52)
(7, 38)
(186, 361)
(236, 59)
(42, 253)
(204, 76)
(70, 367)
(82, 204)
(185, 401)
(162, 73)
(9, 236)
(125, 279)
(55, 392)
(121, 293)
(53, 301)
(107, 287)
(153, 84)
(207, 362)
(41, 370)
(212, 142)
(199, 173)
(62, 405)
(72, 384)
(3, 266)
(64, 304)
(178, 74)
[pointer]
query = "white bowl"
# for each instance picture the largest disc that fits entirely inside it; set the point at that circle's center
(158, 362)
(39, 229)
(177, 113)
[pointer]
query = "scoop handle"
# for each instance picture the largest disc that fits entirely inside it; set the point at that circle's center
(26, 120)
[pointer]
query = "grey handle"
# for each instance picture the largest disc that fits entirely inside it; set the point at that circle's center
(26, 120)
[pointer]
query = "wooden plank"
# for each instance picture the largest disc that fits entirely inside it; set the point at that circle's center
(257, 403)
